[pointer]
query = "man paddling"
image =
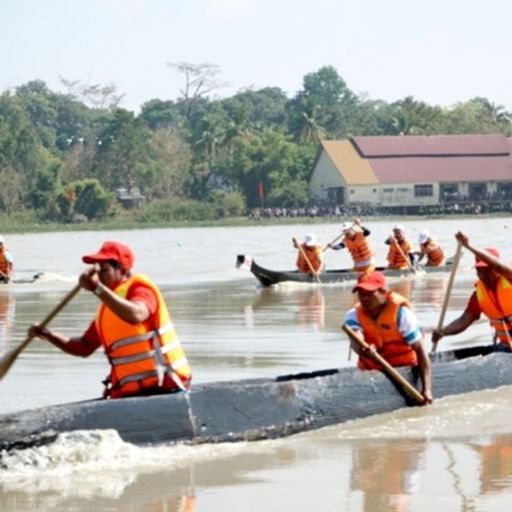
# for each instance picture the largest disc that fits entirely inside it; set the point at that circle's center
(355, 240)
(492, 297)
(310, 255)
(399, 249)
(6, 262)
(133, 325)
(390, 327)
(430, 248)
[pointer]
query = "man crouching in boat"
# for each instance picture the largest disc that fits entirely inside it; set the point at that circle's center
(390, 327)
(133, 325)
(310, 255)
(492, 297)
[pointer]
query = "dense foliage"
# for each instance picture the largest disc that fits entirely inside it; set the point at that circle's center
(79, 156)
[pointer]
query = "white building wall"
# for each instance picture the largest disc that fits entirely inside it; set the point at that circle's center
(396, 194)
(324, 176)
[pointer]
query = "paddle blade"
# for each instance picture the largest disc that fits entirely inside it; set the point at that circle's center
(11, 356)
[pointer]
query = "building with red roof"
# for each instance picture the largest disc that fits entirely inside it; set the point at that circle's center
(413, 170)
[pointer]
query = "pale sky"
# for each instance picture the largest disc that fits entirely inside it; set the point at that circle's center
(438, 51)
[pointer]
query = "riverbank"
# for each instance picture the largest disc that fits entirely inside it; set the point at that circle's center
(25, 224)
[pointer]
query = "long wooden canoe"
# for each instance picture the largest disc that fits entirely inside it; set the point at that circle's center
(258, 408)
(271, 277)
(23, 280)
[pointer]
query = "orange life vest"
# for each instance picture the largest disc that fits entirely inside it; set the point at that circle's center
(137, 351)
(395, 258)
(314, 255)
(384, 334)
(360, 250)
(435, 255)
(497, 306)
(5, 265)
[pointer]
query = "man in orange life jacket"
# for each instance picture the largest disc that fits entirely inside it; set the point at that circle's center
(5, 262)
(313, 252)
(355, 240)
(430, 248)
(399, 249)
(133, 325)
(390, 327)
(492, 296)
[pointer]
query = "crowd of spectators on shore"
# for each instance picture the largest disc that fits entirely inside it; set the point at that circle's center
(332, 211)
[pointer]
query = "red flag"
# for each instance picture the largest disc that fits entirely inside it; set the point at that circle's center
(260, 190)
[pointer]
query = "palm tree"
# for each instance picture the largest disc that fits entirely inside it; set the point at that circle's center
(311, 131)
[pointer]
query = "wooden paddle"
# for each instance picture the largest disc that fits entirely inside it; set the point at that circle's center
(405, 257)
(386, 367)
(307, 259)
(8, 358)
(455, 264)
(334, 240)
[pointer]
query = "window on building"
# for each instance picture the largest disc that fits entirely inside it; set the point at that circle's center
(504, 190)
(449, 192)
(388, 190)
(336, 195)
(423, 190)
(477, 190)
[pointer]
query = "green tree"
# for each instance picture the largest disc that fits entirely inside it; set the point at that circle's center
(90, 199)
(264, 107)
(123, 151)
(168, 174)
(410, 117)
(333, 102)
(36, 99)
(19, 148)
(159, 114)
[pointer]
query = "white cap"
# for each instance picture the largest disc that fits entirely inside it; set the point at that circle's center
(398, 227)
(424, 236)
(1, 239)
(346, 226)
(310, 240)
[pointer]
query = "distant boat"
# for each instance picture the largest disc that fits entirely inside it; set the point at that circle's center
(269, 277)
(23, 280)
(253, 409)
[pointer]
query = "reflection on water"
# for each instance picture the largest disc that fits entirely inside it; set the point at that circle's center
(495, 464)
(370, 475)
(387, 473)
(309, 304)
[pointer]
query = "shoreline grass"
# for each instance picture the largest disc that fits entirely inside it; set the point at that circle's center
(17, 224)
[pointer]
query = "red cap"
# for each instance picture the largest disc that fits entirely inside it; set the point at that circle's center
(112, 251)
(492, 251)
(370, 281)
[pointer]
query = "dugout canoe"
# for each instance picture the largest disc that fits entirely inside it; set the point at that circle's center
(257, 408)
(22, 280)
(269, 277)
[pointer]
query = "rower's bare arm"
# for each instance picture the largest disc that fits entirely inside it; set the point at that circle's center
(76, 346)
(458, 325)
(496, 264)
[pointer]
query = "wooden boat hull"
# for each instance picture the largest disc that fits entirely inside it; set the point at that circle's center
(271, 277)
(258, 408)
(23, 280)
